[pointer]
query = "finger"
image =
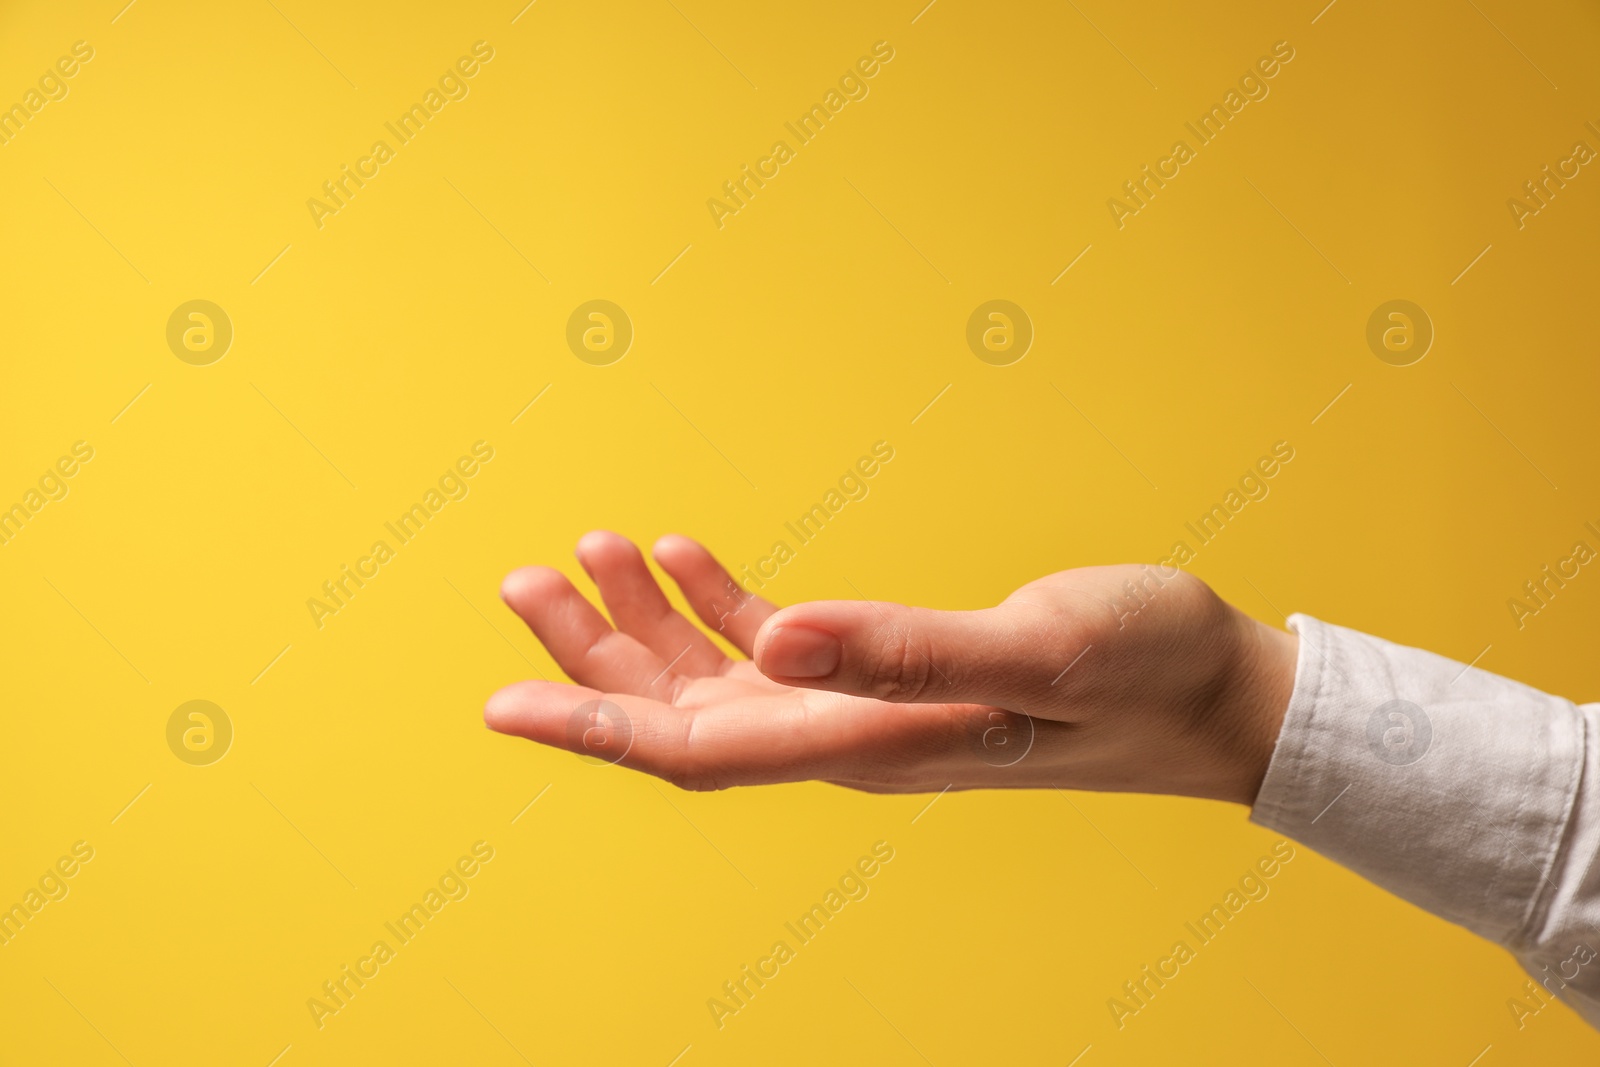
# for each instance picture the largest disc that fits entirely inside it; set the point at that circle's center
(691, 748)
(639, 607)
(748, 742)
(1001, 656)
(580, 639)
(613, 727)
(722, 603)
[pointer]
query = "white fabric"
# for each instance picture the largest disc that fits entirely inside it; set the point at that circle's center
(1483, 807)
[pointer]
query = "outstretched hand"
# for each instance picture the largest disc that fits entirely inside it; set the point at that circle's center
(1124, 678)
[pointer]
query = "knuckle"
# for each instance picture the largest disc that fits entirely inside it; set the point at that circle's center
(900, 670)
(693, 780)
(687, 767)
(897, 776)
(686, 770)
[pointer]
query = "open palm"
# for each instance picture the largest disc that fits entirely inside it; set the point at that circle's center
(1082, 679)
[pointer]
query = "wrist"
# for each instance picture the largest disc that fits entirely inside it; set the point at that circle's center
(1261, 682)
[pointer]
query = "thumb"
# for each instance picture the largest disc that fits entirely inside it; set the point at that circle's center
(910, 655)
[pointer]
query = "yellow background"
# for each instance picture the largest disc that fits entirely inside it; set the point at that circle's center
(823, 317)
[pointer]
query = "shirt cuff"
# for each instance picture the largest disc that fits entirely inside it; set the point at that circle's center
(1446, 785)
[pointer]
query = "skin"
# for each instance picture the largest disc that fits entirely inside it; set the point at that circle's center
(1122, 678)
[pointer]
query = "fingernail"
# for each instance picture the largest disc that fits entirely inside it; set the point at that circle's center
(800, 652)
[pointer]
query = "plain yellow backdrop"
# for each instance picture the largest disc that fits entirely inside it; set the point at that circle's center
(768, 354)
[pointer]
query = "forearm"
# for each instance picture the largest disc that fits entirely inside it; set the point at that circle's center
(1470, 795)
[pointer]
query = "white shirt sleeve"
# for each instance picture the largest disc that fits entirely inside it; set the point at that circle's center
(1472, 796)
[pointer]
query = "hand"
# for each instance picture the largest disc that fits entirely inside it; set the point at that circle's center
(1119, 678)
